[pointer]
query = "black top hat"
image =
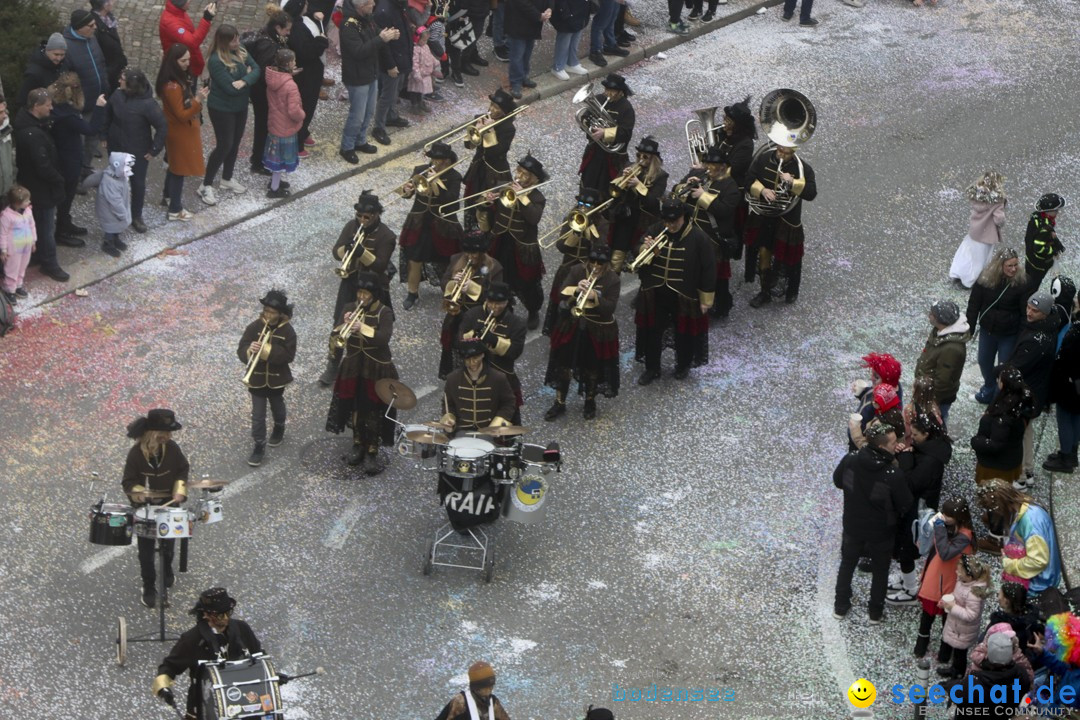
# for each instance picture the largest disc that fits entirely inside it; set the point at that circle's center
(648, 145)
(713, 155)
(1050, 202)
(476, 241)
(504, 100)
(214, 600)
(367, 280)
(441, 151)
(534, 166)
(588, 196)
(368, 202)
(276, 300)
(498, 292)
(742, 117)
(600, 253)
(672, 208)
(614, 81)
(471, 348)
(599, 714)
(160, 419)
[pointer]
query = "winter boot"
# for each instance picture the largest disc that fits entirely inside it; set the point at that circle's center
(371, 462)
(357, 455)
(277, 436)
(329, 374)
(149, 595)
(589, 412)
(922, 643)
(257, 455)
(1059, 462)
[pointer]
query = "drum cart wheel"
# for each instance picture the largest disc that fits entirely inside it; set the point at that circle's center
(489, 566)
(121, 641)
(428, 566)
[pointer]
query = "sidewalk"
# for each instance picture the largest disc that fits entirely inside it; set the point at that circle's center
(89, 265)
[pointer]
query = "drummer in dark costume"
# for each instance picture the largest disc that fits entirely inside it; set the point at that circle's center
(273, 338)
(585, 341)
(367, 326)
(638, 206)
(714, 199)
(678, 278)
(514, 227)
(574, 246)
(428, 237)
(216, 636)
(463, 284)
(599, 165)
(489, 166)
(477, 395)
(478, 702)
(779, 238)
(736, 146)
(155, 472)
(373, 255)
(495, 324)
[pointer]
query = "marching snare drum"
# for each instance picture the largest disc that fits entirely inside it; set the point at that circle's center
(111, 524)
(208, 511)
(466, 457)
(245, 688)
(418, 441)
(506, 463)
(165, 523)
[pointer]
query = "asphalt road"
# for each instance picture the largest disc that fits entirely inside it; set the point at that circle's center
(692, 537)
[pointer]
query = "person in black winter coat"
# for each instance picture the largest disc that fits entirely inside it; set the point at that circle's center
(38, 171)
(361, 48)
(523, 23)
(999, 441)
(994, 311)
(876, 496)
(395, 64)
(308, 40)
(43, 67)
(135, 124)
(1065, 394)
(108, 36)
(273, 37)
(68, 129)
(569, 18)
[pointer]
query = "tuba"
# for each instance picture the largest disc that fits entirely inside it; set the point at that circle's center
(699, 133)
(593, 115)
(788, 119)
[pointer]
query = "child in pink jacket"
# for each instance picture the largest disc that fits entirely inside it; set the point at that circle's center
(18, 238)
(285, 117)
(964, 606)
(424, 68)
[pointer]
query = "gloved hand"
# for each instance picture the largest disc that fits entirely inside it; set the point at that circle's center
(283, 678)
(166, 694)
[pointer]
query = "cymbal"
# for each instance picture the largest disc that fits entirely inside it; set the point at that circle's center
(207, 484)
(427, 438)
(389, 389)
(504, 431)
(438, 425)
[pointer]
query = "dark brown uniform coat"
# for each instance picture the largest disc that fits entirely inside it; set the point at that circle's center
(272, 369)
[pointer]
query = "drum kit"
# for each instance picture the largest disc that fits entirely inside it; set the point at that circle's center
(483, 475)
(114, 524)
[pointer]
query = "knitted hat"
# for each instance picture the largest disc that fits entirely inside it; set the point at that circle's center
(885, 398)
(1041, 301)
(481, 674)
(81, 18)
(945, 311)
(885, 365)
(999, 649)
(56, 41)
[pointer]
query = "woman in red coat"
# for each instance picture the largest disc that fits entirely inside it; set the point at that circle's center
(183, 143)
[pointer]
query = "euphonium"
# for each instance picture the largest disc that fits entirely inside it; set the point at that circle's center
(452, 303)
(699, 133)
(648, 253)
(346, 262)
(583, 298)
(264, 337)
(340, 336)
(593, 115)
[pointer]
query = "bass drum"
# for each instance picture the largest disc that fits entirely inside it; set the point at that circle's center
(245, 688)
(526, 500)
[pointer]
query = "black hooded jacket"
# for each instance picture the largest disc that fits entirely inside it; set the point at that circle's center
(1034, 353)
(37, 160)
(361, 48)
(876, 495)
(40, 72)
(986, 678)
(924, 468)
(1065, 374)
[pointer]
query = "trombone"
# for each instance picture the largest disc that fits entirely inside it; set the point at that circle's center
(510, 196)
(578, 222)
(649, 252)
(467, 198)
(469, 132)
(346, 262)
(583, 298)
(264, 337)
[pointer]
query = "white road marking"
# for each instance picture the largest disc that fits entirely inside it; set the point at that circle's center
(343, 526)
(99, 560)
(833, 645)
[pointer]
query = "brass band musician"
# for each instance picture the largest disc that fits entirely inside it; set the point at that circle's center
(266, 347)
(427, 236)
(599, 166)
(513, 223)
(736, 146)
(585, 340)
(495, 324)
(476, 395)
(574, 244)
(638, 206)
(489, 166)
(464, 283)
(373, 254)
(365, 331)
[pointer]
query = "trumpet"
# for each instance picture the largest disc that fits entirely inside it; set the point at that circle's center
(340, 337)
(489, 325)
(583, 298)
(452, 303)
(264, 337)
(619, 184)
(469, 131)
(342, 271)
(649, 252)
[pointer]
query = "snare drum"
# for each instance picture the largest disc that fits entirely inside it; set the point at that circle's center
(208, 511)
(245, 688)
(111, 524)
(410, 444)
(506, 463)
(165, 523)
(466, 457)
(538, 458)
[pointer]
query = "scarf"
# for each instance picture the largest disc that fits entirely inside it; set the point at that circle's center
(474, 713)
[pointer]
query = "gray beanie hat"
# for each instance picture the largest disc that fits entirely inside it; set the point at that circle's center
(999, 649)
(56, 41)
(1042, 301)
(946, 311)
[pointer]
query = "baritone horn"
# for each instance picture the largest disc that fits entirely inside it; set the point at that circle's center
(593, 115)
(699, 133)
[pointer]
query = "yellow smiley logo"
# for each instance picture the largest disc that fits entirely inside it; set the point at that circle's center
(862, 693)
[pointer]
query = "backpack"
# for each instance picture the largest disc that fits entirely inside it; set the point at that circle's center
(261, 48)
(922, 531)
(7, 315)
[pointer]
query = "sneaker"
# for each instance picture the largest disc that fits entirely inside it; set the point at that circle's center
(380, 136)
(21, 292)
(71, 230)
(435, 97)
(984, 396)
(206, 194)
(277, 436)
(623, 43)
(260, 170)
(901, 597)
(528, 83)
(616, 51)
(458, 80)
(679, 28)
(627, 36)
(257, 455)
(309, 142)
(149, 597)
(709, 16)
(576, 70)
(281, 183)
(944, 670)
(397, 122)
(874, 617)
(232, 186)
(367, 148)
(1023, 484)
(410, 301)
(785, 17)
(138, 225)
(439, 80)
(597, 59)
(561, 74)
(809, 23)
(109, 249)
(695, 16)
(70, 241)
(281, 192)
(477, 60)
(303, 154)
(853, 3)
(556, 410)
(182, 216)
(840, 613)
(502, 54)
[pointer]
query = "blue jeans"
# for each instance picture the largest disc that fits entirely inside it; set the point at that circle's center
(993, 346)
(602, 32)
(520, 54)
(1068, 430)
(944, 407)
(497, 38)
(566, 50)
(804, 13)
(361, 109)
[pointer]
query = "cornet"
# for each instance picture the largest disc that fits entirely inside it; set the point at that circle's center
(264, 337)
(619, 184)
(346, 262)
(340, 336)
(489, 325)
(649, 252)
(583, 298)
(452, 302)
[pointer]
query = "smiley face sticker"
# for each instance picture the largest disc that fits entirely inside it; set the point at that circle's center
(862, 693)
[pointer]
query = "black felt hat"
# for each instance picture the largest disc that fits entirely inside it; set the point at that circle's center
(368, 202)
(648, 144)
(471, 348)
(504, 100)
(498, 292)
(441, 151)
(600, 253)
(214, 600)
(534, 166)
(615, 81)
(476, 241)
(1050, 202)
(672, 208)
(159, 419)
(713, 155)
(367, 280)
(588, 196)
(742, 117)
(277, 300)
